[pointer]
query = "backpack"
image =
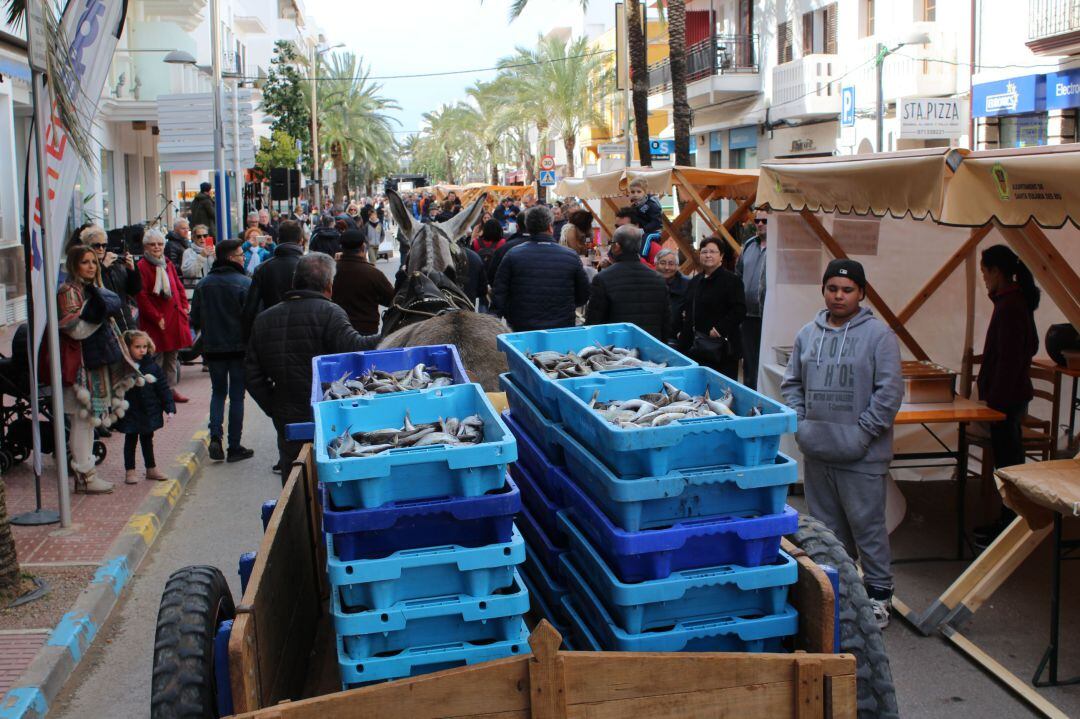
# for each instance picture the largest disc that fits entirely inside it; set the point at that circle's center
(486, 252)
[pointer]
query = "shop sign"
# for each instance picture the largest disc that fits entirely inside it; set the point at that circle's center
(1063, 89)
(1015, 96)
(931, 118)
(741, 138)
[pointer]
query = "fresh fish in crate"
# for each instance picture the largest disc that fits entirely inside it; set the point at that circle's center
(594, 358)
(376, 381)
(657, 409)
(451, 431)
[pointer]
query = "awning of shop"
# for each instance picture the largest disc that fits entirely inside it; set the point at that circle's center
(15, 68)
(729, 184)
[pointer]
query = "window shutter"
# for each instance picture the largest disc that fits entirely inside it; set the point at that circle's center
(830, 29)
(784, 42)
(807, 33)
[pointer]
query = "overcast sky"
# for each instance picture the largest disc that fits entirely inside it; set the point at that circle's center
(397, 37)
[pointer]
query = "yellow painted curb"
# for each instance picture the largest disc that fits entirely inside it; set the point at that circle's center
(145, 525)
(169, 489)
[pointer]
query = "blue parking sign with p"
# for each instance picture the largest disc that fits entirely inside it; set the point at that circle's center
(847, 106)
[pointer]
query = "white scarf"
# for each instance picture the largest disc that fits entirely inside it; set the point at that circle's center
(161, 277)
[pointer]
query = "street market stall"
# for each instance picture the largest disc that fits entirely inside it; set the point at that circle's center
(914, 219)
(699, 187)
(495, 193)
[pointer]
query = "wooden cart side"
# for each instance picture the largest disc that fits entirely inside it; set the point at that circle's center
(550, 684)
(813, 596)
(277, 618)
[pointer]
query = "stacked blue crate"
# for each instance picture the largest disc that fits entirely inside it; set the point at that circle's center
(422, 551)
(650, 539)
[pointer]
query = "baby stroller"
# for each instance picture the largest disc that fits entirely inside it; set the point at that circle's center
(16, 428)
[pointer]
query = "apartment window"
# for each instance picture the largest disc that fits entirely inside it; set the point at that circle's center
(929, 10)
(868, 24)
(828, 14)
(784, 42)
(819, 31)
(807, 33)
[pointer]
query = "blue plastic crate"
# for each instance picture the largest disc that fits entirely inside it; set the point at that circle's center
(682, 444)
(428, 658)
(327, 368)
(434, 620)
(541, 389)
(531, 458)
(551, 589)
(636, 503)
(412, 472)
(544, 511)
(538, 545)
(582, 637)
(410, 524)
(722, 632)
(540, 609)
(682, 595)
(367, 584)
(691, 544)
(529, 417)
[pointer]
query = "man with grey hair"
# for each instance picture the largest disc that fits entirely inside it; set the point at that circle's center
(628, 291)
(539, 284)
(751, 270)
(177, 240)
(285, 338)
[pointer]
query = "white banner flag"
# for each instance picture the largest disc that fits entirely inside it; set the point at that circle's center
(92, 29)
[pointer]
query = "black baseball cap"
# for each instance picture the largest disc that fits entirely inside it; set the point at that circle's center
(850, 269)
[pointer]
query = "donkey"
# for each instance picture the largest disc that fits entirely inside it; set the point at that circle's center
(430, 307)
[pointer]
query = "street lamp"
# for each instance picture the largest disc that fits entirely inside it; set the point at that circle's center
(316, 168)
(914, 38)
(179, 57)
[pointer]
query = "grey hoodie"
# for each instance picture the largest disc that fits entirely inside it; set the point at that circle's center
(845, 385)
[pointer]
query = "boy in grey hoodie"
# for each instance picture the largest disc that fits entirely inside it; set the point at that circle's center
(845, 384)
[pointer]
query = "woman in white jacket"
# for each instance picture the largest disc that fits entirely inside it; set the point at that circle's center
(199, 257)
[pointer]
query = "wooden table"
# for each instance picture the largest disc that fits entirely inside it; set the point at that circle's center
(960, 411)
(1074, 401)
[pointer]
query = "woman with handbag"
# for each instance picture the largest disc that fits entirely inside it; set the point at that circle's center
(715, 307)
(94, 373)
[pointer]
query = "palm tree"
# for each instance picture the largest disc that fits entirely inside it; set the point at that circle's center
(680, 105)
(639, 79)
(9, 561)
(489, 122)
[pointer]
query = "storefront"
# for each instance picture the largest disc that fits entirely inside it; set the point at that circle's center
(809, 140)
(1028, 110)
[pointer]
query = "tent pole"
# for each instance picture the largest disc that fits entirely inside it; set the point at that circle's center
(969, 324)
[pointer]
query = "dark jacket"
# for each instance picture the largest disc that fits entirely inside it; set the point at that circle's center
(539, 284)
(714, 301)
(500, 252)
(677, 287)
(270, 229)
(174, 249)
(126, 283)
(649, 213)
(284, 339)
(1011, 341)
(326, 240)
(147, 403)
(360, 289)
(217, 309)
(628, 291)
(204, 212)
(270, 281)
(476, 285)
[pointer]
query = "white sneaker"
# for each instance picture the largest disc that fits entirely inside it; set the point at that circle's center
(882, 611)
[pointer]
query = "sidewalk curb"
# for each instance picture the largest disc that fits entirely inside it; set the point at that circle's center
(69, 640)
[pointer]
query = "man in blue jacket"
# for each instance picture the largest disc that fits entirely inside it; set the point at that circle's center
(845, 385)
(217, 310)
(539, 283)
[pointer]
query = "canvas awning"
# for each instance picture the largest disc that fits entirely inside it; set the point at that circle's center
(467, 193)
(726, 184)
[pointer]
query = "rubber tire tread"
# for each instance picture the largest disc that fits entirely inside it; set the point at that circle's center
(195, 601)
(859, 632)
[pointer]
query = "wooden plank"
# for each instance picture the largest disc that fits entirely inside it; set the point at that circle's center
(310, 485)
(813, 596)
(970, 271)
(685, 246)
(809, 690)
(243, 665)
(1057, 264)
(1008, 561)
(546, 673)
(706, 212)
(875, 299)
(599, 220)
(1012, 682)
(750, 700)
(493, 689)
(1044, 274)
(740, 211)
(841, 696)
(965, 251)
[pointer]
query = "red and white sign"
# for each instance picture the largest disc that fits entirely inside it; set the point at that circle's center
(547, 162)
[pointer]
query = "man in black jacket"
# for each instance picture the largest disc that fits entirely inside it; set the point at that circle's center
(217, 310)
(285, 338)
(539, 284)
(204, 209)
(273, 278)
(177, 240)
(326, 238)
(518, 238)
(629, 291)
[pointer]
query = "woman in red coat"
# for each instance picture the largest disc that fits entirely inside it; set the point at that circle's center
(163, 307)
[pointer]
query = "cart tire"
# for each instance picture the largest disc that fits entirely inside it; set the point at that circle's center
(100, 451)
(859, 633)
(195, 601)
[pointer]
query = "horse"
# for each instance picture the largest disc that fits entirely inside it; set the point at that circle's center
(430, 307)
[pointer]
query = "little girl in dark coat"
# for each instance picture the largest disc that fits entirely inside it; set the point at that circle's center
(146, 402)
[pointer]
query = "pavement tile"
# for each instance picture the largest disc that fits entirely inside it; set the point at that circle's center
(16, 653)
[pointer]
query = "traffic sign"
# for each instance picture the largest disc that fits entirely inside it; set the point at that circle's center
(847, 106)
(547, 178)
(547, 162)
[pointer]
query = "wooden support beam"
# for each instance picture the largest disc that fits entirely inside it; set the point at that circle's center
(969, 325)
(1061, 268)
(943, 273)
(685, 246)
(743, 209)
(875, 299)
(809, 690)
(714, 222)
(546, 684)
(1041, 267)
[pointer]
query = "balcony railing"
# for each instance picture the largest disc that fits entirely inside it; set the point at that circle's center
(1047, 18)
(715, 55)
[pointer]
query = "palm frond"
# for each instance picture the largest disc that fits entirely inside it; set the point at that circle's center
(16, 10)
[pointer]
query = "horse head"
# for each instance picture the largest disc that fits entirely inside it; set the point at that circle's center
(433, 245)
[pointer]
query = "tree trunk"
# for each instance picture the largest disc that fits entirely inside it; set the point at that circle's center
(639, 76)
(568, 142)
(680, 106)
(9, 562)
(449, 168)
(493, 167)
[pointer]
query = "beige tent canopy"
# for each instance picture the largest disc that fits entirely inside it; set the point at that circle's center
(699, 186)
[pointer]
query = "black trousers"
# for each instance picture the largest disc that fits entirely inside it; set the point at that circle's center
(147, 442)
(1007, 437)
(751, 345)
(287, 451)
